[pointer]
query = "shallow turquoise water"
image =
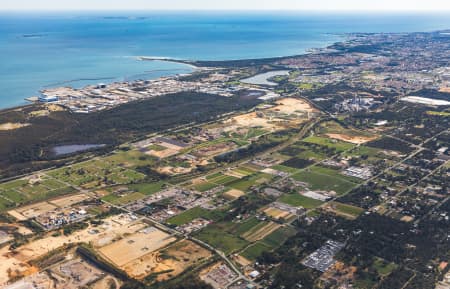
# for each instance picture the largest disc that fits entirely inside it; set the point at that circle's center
(44, 50)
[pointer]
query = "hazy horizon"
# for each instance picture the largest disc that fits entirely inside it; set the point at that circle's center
(230, 5)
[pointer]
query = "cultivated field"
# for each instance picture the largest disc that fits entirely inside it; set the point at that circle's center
(31, 189)
(260, 231)
(277, 214)
(325, 179)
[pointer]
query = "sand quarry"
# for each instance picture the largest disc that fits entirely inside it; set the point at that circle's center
(172, 260)
(15, 262)
(135, 246)
(268, 119)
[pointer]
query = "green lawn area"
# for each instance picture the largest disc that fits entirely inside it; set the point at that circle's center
(5, 204)
(52, 184)
(13, 184)
(220, 179)
(148, 188)
(297, 200)
(285, 169)
(305, 86)
(214, 180)
(244, 171)
(18, 192)
(156, 147)
(313, 213)
(255, 250)
(246, 226)
(309, 154)
(331, 143)
(347, 209)
(131, 158)
(219, 238)
(97, 170)
(110, 198)
(439, 113)
(194, 213)
(279, 236)
(204, 186)
(127, 198)
(364, 150)
(320, 178)
(383, 268)
(14, 196)
(364, 283)
(213, 176)
(245, 183)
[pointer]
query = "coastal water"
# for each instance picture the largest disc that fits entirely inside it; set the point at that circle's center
(76, 49)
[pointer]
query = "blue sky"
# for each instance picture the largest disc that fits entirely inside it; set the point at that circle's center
(384, 5)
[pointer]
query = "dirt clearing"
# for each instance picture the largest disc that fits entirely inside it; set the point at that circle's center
(136, 245)
(172, 261)
(351, 139)
(12, 126)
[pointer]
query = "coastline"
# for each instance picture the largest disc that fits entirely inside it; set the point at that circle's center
(195, 65)
(168, 59)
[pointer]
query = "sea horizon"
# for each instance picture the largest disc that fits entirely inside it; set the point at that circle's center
(43, 49)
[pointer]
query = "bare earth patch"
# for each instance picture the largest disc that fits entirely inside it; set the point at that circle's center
(169, 262)
(12, 126)
(135, 246)
(351, 139)
(233, 194)
(16, 261)
(444, 89)
(277, 213)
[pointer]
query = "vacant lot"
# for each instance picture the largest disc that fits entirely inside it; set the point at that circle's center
(17, 260)
(34, 210)
(350, 138)
(233, 194)
(169, 262)
(344, 210)
(136, 245)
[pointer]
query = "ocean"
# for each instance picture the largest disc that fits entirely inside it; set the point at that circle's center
(40, 50)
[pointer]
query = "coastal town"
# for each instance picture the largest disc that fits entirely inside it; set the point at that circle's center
(331, 171)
